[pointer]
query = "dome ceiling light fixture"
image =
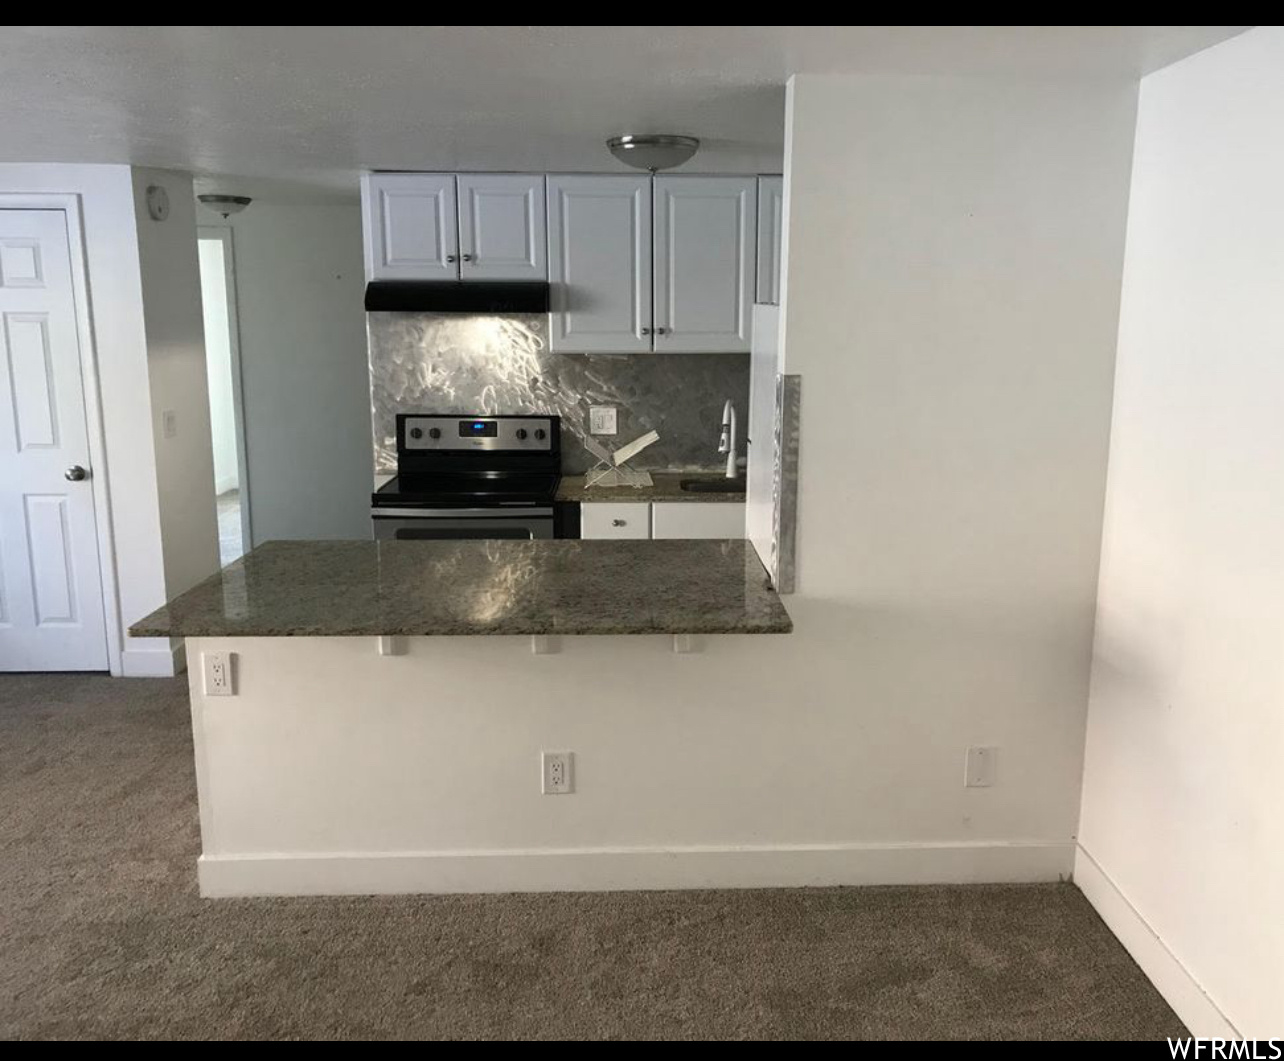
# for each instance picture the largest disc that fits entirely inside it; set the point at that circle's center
(655, 151)
(227, 205)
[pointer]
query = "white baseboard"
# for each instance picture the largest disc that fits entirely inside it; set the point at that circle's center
(161, 661)
(1171, 978)
(633, 869)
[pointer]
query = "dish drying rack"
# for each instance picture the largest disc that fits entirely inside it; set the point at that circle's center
(612, 467)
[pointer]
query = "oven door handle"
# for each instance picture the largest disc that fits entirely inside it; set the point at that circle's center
(498, 512)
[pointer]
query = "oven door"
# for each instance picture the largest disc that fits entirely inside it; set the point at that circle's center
(456, 524)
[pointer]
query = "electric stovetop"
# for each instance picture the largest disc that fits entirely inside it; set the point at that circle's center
(467, 489)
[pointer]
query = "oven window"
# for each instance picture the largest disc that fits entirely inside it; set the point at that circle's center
(478, 528)
(440, 534)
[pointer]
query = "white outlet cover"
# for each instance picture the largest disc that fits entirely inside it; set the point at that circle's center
(557, 773)
(219, 677)
(603, 420)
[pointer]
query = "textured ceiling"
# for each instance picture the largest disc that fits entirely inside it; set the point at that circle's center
(289, 106)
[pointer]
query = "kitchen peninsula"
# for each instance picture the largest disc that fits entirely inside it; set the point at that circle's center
(369, 743)
(424, 589)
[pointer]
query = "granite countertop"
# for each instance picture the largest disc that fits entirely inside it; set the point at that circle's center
(664, 487)
(415, 588)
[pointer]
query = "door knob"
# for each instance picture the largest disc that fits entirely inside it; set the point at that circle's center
(75, 474)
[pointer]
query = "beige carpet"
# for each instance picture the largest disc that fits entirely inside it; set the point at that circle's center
(102, 934)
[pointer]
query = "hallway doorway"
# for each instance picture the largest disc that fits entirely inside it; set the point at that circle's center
(223, 368)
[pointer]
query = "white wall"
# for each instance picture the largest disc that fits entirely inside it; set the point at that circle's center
(953, 262)
(741, 764)
(218, 365)
(176, 370)
(1183, 797)
(304, 372)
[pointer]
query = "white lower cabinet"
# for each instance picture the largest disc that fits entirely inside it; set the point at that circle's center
(626, 519)
(663, 519)
(697, 519)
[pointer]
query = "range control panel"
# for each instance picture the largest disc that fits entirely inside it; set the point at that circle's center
(521, 434)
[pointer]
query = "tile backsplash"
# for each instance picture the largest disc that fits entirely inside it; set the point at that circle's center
(447, 363)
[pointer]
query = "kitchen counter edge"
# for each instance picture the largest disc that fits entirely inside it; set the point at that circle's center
(574, 588)
(665, 487)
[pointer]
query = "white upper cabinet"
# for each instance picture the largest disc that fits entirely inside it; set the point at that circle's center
(599, 263)
(411, 231)
(771, 226)
(671, 264)
(501, 227)
(704, 263)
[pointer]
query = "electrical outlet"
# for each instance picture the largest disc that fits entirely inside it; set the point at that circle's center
(217, 669)
(603, 420)
(169, 423)
(980, 769)
(557, 773)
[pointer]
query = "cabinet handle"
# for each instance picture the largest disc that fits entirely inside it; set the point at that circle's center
(646, 331)
(468, 257)
(451, 258)
(619, 523)
(661, 331)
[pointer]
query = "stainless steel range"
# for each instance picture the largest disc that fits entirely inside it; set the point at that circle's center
(471, 477)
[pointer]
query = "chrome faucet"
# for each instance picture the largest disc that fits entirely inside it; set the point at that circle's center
(727, 443)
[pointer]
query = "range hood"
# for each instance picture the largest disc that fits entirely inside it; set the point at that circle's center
(457, 296)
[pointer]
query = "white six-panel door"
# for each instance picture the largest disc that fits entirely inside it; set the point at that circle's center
(51, 607)
(411, 227)
(501, 227)
(705, 249)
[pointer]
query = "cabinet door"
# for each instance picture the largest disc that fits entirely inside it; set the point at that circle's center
(410, 226)
(698, 519)
(704, 263)
(501, 227)
(599, 264)
(771, 222)
(611, 519)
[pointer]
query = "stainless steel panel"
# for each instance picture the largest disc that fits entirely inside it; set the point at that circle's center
(788, 425)
(501, 364)
(506, 434)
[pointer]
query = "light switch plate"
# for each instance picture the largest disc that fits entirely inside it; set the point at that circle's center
(980, 769)
(603, 420)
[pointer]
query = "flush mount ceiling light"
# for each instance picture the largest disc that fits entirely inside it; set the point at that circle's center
(653, 152)
(227, 205)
